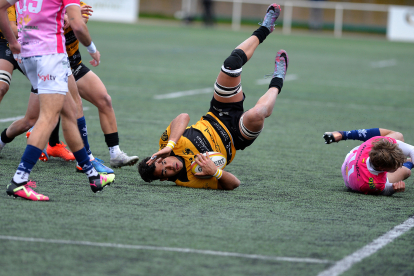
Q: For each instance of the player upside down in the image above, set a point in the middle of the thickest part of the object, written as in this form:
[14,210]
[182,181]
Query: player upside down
[226,128]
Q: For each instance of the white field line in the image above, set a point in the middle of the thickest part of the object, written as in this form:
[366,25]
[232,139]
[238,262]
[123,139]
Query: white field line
[366,251]
[11,119]
[169,249]
[267,81]
[208,90]
[184,93]
[384,63]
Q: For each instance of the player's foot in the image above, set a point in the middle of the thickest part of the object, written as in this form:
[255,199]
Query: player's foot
[281,64]
[122,159]
[61,151]
[44,157]
[29,132]
[99,182]
[99,167]
[272,13]
[330,137]
[23,190]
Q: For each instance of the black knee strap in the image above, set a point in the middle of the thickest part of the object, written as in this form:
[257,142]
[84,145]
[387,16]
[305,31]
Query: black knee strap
[232,66]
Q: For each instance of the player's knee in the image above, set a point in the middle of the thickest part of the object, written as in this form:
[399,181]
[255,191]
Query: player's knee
[104,103]
[4,87]
[232,66]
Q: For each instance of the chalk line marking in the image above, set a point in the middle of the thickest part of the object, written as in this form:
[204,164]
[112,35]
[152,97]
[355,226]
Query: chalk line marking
[384,63]
[366,251]
[184,93]
[170,249]
[11,119]
[267,81]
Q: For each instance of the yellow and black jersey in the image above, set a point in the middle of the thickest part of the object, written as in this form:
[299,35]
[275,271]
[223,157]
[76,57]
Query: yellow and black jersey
[72,45]
[11,13]
[208,134]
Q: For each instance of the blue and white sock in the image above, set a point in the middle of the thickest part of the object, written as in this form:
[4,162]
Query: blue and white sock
[360,134]
[84,133]
[29,159]
[83,161]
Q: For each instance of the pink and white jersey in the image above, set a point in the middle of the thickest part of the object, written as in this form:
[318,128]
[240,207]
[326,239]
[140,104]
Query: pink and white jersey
[40,25]
[355,171]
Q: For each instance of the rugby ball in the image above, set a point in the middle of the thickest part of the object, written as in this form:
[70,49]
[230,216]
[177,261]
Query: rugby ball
[219,160]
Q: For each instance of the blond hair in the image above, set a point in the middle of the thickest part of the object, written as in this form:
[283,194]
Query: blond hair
[386,155]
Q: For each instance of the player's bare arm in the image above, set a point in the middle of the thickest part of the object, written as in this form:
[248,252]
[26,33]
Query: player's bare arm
[177,126]
[78,26]
[6,27]
[227,181]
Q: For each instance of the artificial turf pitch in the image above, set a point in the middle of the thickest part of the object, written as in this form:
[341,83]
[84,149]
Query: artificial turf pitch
[291,214]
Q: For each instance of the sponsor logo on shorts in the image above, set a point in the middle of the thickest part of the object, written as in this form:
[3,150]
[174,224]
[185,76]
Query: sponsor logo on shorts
[8,52]
[46,77]
[77,70]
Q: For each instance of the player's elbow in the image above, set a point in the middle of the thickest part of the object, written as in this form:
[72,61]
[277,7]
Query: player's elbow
[229,186]
[78,27]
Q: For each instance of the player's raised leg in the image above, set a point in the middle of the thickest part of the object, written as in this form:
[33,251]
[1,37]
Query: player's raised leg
[228,84]
[252,121]
[93,90]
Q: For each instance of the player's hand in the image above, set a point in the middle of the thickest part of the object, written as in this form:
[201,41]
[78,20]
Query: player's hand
[16,49]
[208,166]
[96,58]
[165,152]
[398,186]
[65,22]
[86,11]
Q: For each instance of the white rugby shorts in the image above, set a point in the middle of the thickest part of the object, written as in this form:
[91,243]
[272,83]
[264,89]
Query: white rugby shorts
[48,74]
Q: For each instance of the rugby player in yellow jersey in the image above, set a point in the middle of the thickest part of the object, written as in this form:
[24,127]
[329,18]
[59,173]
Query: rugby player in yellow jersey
[225,128]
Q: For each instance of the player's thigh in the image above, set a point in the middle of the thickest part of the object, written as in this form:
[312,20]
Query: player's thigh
[229,82]
[6,71]
[400,174]
[92,89]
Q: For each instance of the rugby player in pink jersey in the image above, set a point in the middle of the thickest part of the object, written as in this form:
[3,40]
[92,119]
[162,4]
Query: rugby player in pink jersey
[42,56]
[379,165]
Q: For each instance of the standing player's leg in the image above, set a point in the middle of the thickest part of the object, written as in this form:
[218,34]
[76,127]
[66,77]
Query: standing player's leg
[228,84]
[81,123]
[93,90]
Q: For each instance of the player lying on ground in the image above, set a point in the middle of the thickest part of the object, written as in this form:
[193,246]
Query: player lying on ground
[42,57]
[224,129]
[377,166]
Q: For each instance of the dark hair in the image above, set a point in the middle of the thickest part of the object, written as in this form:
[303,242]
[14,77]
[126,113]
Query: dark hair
[147,172]
[386,155]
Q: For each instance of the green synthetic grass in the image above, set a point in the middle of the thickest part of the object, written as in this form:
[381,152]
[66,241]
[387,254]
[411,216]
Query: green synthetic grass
[292,201]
